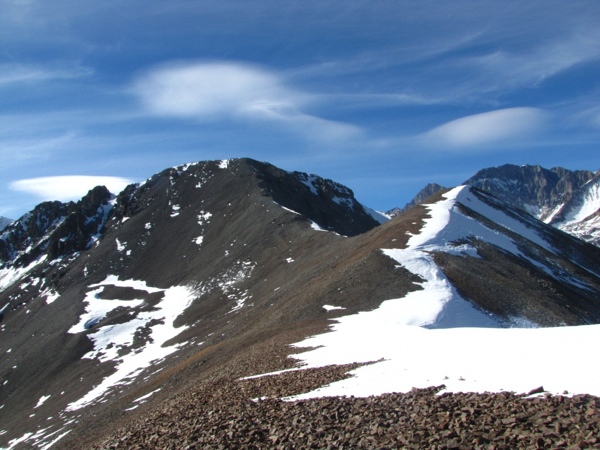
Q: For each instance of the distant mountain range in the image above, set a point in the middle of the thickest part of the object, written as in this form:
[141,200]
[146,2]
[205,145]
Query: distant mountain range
[568,200]
[209,272]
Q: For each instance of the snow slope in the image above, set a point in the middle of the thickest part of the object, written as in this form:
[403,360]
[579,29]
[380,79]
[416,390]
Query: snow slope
[581,215]
[433,336]
[111,340]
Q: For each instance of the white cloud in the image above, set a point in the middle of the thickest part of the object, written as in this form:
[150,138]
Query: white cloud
[510,69]
[487,128]
[226,90]
[65,188]
[19,73]
[211,90]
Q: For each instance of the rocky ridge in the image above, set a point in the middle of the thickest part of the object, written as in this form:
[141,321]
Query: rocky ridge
[534,189]
[55,229]
[226,258]
[429,190]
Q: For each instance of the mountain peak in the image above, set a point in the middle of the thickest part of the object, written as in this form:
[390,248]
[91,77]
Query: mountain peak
[55,228]
[429,190]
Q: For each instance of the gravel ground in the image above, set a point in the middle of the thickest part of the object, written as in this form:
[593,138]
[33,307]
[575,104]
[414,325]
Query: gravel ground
[229,413]
[218,410]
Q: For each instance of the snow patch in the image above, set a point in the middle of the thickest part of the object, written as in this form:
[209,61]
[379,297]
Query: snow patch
[114,342]
[41,401]
[10,275]
[120,247]
[97,309]
[51,296]
[348,202]
[589,205]
[463,359]
[376,215]
[288,209]
[332,308]
[204,217]
[142,399]
[309,181]
[315,226]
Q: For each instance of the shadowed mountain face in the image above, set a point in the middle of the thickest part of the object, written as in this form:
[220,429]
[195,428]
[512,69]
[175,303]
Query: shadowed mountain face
[107,299]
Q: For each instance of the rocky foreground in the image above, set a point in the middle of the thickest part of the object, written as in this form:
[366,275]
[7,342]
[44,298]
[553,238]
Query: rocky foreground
[230,414]
[222,410]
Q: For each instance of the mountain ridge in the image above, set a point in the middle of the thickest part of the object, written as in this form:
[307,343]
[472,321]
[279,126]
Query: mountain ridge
[188,277]
[566,199]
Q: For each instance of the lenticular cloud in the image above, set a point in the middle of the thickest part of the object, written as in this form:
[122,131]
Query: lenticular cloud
[228,90]
[487,128]
[65,188]
[213,90]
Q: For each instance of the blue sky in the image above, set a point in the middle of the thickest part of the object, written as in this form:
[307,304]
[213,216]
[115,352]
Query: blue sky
[382,96]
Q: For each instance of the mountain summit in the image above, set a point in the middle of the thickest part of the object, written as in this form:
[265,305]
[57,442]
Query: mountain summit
[207,273]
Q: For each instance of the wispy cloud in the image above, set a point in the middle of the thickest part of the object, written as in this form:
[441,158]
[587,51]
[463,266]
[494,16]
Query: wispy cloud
[65,188]
[488,128]
[11,73]
[210,91]
[37,148]
[588,117]
[509,69]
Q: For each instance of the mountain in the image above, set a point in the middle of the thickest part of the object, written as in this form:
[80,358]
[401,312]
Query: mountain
[422,195]
[4,222]
[55,229]
[568,200]
[147,310]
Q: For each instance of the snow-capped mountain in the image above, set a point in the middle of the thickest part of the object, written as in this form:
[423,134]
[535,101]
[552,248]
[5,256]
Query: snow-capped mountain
[190,278]
[566,199]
